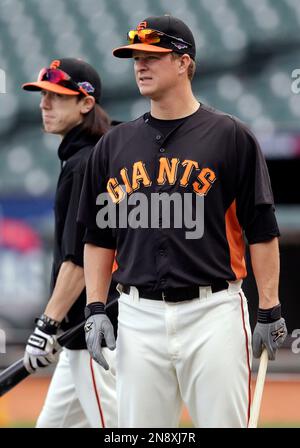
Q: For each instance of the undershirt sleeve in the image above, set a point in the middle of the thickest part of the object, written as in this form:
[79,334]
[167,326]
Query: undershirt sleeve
[94,184]
[72,245]
[264,225]
[255,202]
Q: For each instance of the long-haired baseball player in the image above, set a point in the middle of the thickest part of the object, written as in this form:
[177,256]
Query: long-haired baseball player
[81,393]
[187,181]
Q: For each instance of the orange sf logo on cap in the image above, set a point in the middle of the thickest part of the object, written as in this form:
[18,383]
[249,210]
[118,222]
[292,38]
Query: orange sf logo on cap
[55,64]
[141,26]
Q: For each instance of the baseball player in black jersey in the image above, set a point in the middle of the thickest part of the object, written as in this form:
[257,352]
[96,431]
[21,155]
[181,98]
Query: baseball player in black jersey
[81,393]
[182,186]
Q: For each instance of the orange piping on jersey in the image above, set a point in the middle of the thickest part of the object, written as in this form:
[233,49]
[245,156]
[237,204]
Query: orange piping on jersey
[115,265]
[236,242]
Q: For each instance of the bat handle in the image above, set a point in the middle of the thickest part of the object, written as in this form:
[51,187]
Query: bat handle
[67,336]
[259,387]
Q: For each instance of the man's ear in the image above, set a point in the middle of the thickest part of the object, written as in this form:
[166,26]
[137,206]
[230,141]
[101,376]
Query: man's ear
[184,63]
[87,104]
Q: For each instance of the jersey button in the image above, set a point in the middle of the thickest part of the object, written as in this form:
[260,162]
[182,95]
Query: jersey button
[158,137]
[161,149]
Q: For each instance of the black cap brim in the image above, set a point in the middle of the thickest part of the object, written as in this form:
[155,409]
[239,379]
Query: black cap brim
[126,51]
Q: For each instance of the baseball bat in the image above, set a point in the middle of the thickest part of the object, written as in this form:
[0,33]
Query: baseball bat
[17,372]
[259,387]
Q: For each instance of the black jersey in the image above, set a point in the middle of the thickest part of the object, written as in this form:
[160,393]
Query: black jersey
[210,157]
[73,152]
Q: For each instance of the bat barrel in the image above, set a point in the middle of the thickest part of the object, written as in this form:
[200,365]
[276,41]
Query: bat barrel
[17,372]
[12,376]
[259,388]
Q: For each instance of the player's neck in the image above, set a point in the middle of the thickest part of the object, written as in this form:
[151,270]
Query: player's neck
[174,105]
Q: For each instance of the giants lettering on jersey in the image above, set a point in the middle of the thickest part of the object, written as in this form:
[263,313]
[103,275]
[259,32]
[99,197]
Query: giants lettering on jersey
[167,173]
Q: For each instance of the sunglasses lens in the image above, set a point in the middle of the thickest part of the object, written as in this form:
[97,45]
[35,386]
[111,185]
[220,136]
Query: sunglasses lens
[59,77]
[42,74]
[144,36]
[152,37]
[131,35]
[53,75]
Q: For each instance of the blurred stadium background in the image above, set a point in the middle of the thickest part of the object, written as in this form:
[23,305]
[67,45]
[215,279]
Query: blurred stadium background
[247,51]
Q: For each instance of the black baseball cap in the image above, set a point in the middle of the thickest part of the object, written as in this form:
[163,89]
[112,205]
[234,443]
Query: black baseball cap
[176,37]
[83,79]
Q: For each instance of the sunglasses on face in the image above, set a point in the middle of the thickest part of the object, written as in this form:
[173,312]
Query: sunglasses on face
[149,36]
[56,76]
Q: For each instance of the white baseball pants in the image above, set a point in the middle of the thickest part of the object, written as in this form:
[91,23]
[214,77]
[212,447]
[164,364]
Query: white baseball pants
[81,393]
[196,352]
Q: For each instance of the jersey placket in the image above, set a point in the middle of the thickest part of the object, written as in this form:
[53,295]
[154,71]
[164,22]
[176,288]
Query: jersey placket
[162,256]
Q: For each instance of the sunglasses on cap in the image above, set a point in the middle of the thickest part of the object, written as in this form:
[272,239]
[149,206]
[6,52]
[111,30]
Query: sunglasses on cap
[149,36]
[59,77]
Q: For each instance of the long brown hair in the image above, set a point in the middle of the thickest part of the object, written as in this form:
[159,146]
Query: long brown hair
[96,122]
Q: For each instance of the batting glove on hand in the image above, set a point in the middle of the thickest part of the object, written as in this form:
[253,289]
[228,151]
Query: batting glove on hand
[42,348]
[97,327]
[270,332]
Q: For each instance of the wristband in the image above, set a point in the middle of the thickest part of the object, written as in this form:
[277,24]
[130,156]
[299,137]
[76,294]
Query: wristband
[47,325]
[270,315]
[94,308]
